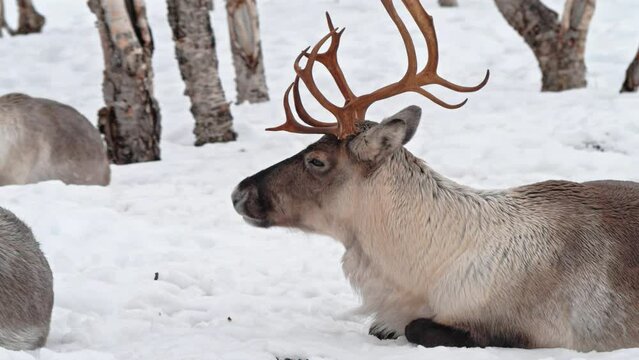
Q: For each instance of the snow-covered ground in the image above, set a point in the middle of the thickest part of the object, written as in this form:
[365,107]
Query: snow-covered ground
[230,291]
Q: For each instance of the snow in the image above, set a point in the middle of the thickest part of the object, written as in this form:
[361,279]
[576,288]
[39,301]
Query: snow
[230,291]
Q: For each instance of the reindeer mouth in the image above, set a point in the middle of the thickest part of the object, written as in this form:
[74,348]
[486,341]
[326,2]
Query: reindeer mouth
[261,223]
[246,203]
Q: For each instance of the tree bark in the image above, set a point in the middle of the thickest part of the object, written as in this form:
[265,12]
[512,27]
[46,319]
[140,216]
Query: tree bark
[29,20]
[196,55]
[3,22]
[130,121]
[631,83]
[448,3]
[246,47]
[558,45]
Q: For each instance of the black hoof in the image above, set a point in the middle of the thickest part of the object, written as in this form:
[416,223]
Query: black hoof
[381,333]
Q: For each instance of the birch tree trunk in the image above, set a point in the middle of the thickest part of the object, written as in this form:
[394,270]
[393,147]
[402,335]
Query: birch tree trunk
[3,22]
[130,121]
[448,3]
[558,45]
[631,83]
[195,52]
[29,20]
[246,47]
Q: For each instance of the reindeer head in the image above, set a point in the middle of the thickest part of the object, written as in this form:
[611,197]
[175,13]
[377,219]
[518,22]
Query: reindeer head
[315,190]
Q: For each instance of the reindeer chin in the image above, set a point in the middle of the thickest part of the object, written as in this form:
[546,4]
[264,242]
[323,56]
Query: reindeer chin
[261,223]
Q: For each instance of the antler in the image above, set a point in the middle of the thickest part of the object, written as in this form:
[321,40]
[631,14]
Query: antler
[354,109]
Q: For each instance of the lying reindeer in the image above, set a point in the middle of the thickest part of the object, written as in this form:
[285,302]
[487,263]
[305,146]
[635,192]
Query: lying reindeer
[553,264]
[26,283]
[43,140]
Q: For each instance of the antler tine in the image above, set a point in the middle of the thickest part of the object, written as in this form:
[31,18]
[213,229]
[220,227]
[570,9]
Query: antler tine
[301,111]
[353,112]
[299,107]
[439,101]
[414,81]
[459,88]
[306,74]
[329,60]
[291,125]
[427,27]
[406,38]
[329,21]
[407,83]
[425,24]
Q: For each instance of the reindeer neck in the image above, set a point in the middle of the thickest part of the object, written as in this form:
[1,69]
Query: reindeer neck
[423,221]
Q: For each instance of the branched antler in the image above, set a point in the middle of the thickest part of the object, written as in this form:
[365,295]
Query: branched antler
[354,109]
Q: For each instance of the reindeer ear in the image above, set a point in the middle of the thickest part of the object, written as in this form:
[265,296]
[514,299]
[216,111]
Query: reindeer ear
[379,141]
[411,116]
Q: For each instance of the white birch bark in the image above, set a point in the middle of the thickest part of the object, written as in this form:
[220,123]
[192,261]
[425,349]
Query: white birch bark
[130,121]
[3,21]
[29,20]
[558,44]
[246,47]
[195,51]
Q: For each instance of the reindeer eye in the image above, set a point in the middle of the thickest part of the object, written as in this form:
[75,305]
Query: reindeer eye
[316,163]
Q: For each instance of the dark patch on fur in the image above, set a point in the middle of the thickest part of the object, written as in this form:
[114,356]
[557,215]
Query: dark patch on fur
[504,338]
[428,333]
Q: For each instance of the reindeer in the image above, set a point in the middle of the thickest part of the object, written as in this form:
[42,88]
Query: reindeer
[42,140]
[552,264]
[26,287]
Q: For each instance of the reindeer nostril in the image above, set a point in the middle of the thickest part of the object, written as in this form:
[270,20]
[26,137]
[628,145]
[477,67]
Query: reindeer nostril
[238,197]
[246,202]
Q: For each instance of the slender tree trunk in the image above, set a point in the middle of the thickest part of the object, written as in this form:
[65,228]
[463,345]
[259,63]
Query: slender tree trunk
[448,3]
[244,30]
[130,121]
[558,45]
[631,83]
[3,24]
[29,20]
[3,21]
[195,52]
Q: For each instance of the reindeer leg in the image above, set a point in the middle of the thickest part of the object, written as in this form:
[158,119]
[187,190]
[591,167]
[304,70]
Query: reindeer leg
[428,333]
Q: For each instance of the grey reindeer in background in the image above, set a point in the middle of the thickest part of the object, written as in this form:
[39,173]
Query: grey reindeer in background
[26,287]
[40,140]
[43,140]
[552,264]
